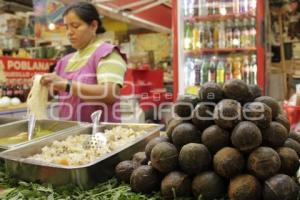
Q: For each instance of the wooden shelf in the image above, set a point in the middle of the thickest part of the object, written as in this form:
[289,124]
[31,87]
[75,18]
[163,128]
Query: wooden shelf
[219,50]
[219,17]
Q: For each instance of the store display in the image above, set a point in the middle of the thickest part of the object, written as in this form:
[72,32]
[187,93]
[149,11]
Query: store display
[220,41]
[248,151]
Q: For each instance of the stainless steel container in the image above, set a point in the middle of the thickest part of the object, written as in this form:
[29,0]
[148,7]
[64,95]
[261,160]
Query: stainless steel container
[7,120]
[17,127]
[85,175]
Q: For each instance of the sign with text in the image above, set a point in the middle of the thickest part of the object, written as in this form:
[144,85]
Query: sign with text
[23,68]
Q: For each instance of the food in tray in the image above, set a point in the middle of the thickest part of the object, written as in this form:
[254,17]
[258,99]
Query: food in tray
[71,151]
[23,137]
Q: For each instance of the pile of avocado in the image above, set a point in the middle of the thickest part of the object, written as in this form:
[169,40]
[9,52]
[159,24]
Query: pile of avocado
[227,141]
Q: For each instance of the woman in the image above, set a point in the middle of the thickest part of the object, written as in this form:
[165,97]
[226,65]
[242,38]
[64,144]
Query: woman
[91,78]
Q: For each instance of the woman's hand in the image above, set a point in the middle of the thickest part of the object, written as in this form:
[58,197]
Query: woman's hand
[54,82]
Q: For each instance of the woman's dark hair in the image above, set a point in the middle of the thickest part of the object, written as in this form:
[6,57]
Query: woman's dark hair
[86,12]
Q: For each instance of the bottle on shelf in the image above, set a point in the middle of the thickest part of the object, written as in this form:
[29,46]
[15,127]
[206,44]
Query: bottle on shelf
[202,8]
[236,42]
[236,7]
[189,74]
[197,71]
[215,35]
[253,70]
[201,35]
[245,34]
[204,70]
[229,6]
[208,36]
[196,37]
[236,68]
[228,68]
[188,36]
[229,34]
[212,69]
[222,35]
[221,71]
[1,88]
[215,7]
[246,69]
[252,32]
[252,7]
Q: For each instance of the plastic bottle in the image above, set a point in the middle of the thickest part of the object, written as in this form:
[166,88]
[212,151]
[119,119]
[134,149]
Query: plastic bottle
[237,65]
[246,69]
[252,32]
[188,36]
[201,35]
[236,6]
[196,37]
[236,42]
[253,70]
[209,36]
[216,35]
[222,35]
[212,69]
[189,74]
[221,71]
[204,70]
[197,71]
[228,68]
[202,8]
[229,34]
[252,7]
[245,36]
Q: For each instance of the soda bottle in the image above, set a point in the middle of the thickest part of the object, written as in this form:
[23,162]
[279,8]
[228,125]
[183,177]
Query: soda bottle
[215,7]
[236,6]
[212,69]
[236,34]
[252,7]
[197,71]
[228,68]
[222,35]
[215,35]
[229,6]
[243,6]
[209,36]
[196,37]
[188,36]
[237,65]
[252,33]
[209,5]
[229,34]
[222,7]
[221,71]
[191,8]
[246,69]
[202,8]
[253,70]
[195,7]
[204,70]
[189,76]
[245,36]
[186,8]
[202,41]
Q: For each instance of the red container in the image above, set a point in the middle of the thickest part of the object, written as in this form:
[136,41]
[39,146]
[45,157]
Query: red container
[293,113]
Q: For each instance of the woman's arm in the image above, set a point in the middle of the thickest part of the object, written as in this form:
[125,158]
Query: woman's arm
[106,92]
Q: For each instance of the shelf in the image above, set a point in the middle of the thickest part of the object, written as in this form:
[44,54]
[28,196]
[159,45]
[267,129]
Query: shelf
[216,51]
[219,17]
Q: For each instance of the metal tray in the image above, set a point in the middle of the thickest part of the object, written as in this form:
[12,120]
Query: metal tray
[83,176]
[17,127]
[7,120]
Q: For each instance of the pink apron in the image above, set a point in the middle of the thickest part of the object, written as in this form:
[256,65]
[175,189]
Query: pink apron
[72,107]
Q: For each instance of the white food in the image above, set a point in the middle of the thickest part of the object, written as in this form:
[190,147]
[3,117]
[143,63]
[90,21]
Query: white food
[37,99]
[71,151]
[15,101]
